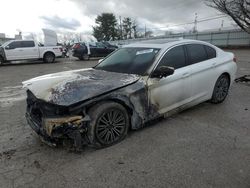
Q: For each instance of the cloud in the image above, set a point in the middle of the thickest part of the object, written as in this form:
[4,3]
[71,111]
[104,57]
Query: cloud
[58,23]
[157,11]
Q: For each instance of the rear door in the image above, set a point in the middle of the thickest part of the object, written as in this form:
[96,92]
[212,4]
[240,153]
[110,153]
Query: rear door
[202,61]
[29,50]
[173,91]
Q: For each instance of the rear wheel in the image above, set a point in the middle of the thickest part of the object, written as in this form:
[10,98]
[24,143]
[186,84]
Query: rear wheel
[84,57]
[109,124]
[49,58]
[221,89]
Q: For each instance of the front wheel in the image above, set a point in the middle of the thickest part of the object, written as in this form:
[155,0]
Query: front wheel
[221,89]
[109,124]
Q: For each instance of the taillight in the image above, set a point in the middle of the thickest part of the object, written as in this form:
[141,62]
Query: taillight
[234,59]
[76,46]
[61,49]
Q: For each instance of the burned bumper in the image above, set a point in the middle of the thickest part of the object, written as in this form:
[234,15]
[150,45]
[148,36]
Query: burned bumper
[54,130]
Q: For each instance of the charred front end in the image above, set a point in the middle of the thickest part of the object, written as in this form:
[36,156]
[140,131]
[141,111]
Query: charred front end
[54,123]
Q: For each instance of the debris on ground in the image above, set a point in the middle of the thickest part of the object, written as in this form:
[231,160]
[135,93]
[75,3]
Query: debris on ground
[245,78]
[8,154]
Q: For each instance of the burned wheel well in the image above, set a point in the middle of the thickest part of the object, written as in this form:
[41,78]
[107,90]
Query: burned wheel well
[128,108]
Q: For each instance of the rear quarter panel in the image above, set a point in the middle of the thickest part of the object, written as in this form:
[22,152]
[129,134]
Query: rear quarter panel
[54,49]
[226,64]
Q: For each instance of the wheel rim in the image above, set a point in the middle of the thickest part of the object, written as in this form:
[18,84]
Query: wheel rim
[49,58]
[222,89]
[110,127]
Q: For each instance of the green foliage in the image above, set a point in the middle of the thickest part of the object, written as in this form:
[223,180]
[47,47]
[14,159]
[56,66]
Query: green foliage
[106,27]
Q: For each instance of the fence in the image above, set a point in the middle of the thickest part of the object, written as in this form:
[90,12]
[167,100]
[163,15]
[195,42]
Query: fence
[230,38]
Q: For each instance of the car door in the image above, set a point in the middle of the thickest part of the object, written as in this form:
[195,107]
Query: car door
[173,91]
[202,60]
[93,49]
[29,50]
[12,51]
[101,50]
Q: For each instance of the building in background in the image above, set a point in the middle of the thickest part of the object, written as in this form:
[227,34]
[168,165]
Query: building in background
[3,38]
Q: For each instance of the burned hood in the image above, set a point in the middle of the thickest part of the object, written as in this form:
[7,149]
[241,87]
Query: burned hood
[70,87]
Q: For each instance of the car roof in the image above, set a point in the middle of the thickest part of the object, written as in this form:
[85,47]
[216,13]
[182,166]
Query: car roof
[162,43]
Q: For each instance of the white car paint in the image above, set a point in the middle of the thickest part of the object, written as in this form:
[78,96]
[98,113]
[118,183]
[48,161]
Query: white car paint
[188,85]
[26,53]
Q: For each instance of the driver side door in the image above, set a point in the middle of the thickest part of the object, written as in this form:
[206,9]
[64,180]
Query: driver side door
[172,91]
[13,51]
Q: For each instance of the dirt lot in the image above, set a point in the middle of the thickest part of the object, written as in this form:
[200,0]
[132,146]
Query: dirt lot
[206,146]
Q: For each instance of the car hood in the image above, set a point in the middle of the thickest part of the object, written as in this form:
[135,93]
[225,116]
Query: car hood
[70,87]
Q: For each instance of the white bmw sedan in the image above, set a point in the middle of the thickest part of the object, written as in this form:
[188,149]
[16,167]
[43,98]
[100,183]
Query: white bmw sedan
[133,85]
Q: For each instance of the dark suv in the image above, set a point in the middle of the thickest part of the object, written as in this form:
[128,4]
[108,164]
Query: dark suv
[97,49]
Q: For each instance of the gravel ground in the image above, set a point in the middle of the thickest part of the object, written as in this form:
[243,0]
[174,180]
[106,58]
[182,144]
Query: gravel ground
[205,146]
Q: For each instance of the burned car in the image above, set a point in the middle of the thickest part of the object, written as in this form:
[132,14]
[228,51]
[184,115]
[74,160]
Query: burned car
[135,84]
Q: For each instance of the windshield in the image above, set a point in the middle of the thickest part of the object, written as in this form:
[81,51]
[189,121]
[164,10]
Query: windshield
[5,43]
[129,60]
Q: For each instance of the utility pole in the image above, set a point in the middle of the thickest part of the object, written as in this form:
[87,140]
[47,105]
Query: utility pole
[195,23]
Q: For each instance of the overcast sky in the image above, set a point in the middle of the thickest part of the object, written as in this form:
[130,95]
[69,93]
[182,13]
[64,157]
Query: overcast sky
[79,15]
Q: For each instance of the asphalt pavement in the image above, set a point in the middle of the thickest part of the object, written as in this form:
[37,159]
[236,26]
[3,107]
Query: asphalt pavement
[205,146]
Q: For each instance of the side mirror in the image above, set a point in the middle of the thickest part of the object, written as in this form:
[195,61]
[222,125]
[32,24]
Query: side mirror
[162,72]
[7,47]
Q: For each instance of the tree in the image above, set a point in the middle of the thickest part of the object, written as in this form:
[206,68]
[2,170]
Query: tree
[106,28]
[127,28]
[134,28]
[238,10]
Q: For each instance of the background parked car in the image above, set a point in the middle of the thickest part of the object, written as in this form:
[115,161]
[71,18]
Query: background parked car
[97,49]
[15,50]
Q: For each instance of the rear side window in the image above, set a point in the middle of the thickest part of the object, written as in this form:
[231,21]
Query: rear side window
[196,52]
[174,58]
[16,44]
[27,44]
[211,53]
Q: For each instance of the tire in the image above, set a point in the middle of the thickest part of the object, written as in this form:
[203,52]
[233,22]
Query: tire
[221,89]
[109,124]
[84,57]
[49,57]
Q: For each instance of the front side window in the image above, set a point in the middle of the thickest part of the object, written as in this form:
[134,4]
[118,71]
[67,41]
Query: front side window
[15,44]
[196,53]
[129,60]
[174,58]
[100,45]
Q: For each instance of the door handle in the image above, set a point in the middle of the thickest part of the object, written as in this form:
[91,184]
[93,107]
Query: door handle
[20,50]
[184,75]
[213,64]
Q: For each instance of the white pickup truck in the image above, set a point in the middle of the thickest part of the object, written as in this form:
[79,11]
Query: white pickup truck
[15,50]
